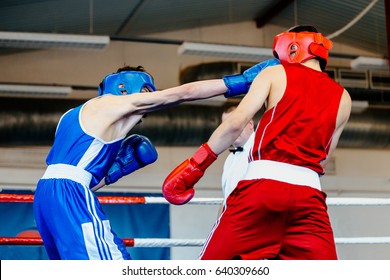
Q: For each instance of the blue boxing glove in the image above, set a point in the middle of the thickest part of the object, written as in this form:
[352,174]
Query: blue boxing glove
[135,152]
[238,84]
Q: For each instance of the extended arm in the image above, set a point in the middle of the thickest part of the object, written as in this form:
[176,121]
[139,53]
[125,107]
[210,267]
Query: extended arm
[115,115]
[230,86]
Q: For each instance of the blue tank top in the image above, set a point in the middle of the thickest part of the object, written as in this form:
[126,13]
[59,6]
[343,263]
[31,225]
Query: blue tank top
[74,146]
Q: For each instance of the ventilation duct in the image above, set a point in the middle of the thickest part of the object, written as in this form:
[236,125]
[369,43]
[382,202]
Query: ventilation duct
[370,129]
[33,122]
[208,71]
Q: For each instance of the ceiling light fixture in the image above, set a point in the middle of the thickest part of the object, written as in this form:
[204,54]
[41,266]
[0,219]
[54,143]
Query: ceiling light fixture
[242,53]
[35,90]
[370,63]
[47,40]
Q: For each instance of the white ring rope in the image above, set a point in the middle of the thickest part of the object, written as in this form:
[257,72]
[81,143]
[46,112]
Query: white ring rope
[363,240]
[162,200]
[335,201]
[356,201]
[331,201]
[166,242]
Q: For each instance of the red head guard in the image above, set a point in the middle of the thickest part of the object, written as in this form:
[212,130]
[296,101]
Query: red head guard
[301,46]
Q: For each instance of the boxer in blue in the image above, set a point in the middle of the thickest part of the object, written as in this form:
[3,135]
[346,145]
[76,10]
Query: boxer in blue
[91,150]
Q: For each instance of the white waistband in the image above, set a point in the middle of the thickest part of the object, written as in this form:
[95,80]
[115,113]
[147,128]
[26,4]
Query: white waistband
[65,171]
[284,172]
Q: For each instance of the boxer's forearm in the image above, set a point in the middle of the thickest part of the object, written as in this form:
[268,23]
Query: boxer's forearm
[147,102]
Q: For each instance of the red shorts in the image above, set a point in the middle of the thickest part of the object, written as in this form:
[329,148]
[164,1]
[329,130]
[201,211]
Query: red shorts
[268,219]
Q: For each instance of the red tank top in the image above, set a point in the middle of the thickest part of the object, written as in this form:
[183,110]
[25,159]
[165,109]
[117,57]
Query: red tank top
[299,128]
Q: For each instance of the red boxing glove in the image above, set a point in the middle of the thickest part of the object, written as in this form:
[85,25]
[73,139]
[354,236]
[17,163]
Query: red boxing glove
[178,187]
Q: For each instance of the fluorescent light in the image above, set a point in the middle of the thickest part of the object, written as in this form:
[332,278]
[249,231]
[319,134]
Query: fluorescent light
[35,90]
[48,40]
[370,63]
[226,51]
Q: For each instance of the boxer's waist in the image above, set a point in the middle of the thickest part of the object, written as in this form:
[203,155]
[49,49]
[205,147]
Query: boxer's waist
[70,172]
[283,172]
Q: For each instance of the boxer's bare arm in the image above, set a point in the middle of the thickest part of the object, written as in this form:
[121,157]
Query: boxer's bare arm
[111,116]
[152,101]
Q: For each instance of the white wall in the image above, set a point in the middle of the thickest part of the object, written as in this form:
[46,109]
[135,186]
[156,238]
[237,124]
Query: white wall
[360,173]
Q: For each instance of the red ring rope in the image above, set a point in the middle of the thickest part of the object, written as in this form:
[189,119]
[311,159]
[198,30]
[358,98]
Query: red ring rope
[165,242]
[102,199]
[331,201]
[129,242]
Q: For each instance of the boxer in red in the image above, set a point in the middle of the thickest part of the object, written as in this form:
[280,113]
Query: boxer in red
[278,211]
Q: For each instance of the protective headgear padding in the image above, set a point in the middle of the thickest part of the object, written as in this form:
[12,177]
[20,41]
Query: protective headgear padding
[129,81]
[301,46]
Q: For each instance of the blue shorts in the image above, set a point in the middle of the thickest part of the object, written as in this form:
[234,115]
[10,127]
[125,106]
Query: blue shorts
[72,223]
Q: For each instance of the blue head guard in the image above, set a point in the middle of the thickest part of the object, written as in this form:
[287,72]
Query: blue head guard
[129,81]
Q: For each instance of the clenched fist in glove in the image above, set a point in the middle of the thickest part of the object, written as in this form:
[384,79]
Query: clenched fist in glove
[178,187]
[135,152]
[238,84]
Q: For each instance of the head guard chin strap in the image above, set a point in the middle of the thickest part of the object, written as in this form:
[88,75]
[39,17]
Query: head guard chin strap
[301,46]
[126,82]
